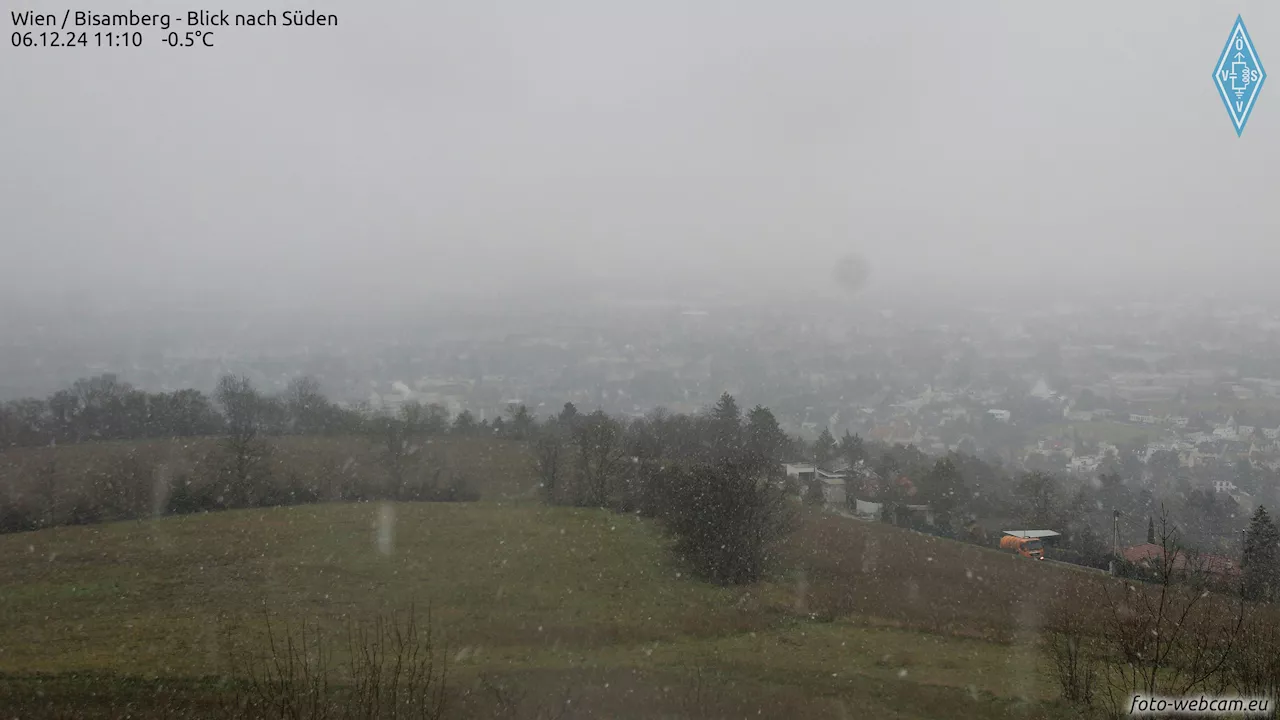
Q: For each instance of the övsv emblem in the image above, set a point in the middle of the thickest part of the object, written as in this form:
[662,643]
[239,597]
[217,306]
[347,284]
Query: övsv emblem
[1239,75]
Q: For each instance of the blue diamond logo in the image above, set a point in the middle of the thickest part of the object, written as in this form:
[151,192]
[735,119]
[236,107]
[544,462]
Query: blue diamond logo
[1239,75]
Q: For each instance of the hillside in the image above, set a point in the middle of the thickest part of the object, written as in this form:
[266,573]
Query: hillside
[554,600]
[908,579]
[499,468]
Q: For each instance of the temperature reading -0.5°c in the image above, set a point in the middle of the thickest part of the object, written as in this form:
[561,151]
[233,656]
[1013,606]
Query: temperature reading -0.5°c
[189,39]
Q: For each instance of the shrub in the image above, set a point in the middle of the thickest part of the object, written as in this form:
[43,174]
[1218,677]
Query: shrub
[292,491]
[187,497]
[121,490]
[727,520]
[83,510]
[1075,664]
[395,667]
[1254,667]
[18,517]
[460,490]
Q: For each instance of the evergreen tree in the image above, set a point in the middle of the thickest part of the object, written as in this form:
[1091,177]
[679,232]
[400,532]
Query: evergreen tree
[1245,477]
[943,487]
[852,449]
[825,449]
[1151,530]
[764,438]
[465,423]
[522,423]
[726,429]
[568,415]
[1261,561]
[728,524]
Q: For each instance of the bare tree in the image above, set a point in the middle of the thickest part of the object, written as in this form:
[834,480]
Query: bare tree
[31,422]
[414,416]
[598,438]
[306,405]
[550,460]
[100,408]
[396,667]
[246,452]
[1170,636]
[393,436]
[411,473]
[399,668]
[47,484]
[1068,644]
[1254,667]
[123,487]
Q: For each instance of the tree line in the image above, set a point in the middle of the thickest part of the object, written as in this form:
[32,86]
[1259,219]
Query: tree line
[241,468]
[106,408]
[961,489]
[714,479]
[583,459]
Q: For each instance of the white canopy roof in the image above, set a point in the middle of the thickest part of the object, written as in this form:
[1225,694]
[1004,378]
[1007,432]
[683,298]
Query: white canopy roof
[1032,533]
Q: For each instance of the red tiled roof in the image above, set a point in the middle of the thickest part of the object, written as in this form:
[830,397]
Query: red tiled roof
[1142,553]
[1146,552]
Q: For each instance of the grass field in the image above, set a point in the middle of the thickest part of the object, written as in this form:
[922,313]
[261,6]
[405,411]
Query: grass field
[862,620]
[499,467]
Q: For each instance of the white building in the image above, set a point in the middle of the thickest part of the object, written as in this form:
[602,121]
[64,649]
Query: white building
[1084,464]
[1224,432]
[800,471]
[833,484]
[833,488]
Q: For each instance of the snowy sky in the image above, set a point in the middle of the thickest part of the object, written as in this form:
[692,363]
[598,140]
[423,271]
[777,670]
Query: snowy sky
[478,145]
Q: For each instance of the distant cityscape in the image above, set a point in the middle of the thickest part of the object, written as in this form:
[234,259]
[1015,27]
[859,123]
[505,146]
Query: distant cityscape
[1191,388]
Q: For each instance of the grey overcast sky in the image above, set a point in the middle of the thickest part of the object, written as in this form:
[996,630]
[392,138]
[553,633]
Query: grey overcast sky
[474,145]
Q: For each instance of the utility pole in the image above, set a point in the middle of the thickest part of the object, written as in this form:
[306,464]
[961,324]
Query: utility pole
[1115,542]
[1115,532]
